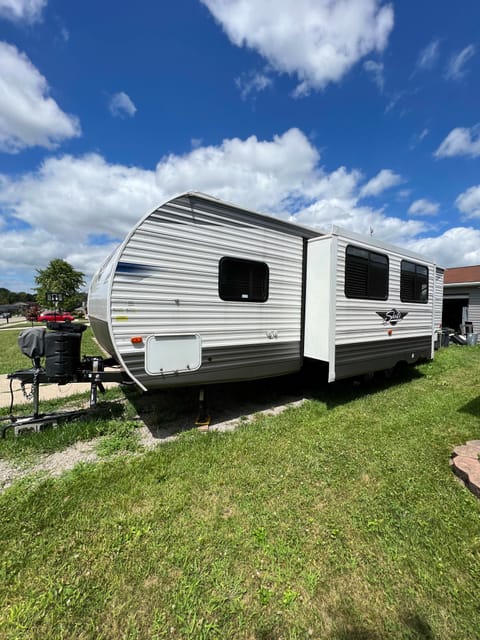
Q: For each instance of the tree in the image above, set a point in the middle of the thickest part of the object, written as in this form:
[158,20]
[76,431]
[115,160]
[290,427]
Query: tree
[32,313]
[10,297]
[60,277]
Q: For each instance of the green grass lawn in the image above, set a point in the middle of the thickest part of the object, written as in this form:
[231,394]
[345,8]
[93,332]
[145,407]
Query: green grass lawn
[340,519]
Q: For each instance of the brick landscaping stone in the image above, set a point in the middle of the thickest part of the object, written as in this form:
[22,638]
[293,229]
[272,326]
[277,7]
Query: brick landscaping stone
[467,467]
[467,450]
[474,443]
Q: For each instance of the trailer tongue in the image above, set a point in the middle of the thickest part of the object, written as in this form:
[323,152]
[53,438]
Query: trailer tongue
[55,355]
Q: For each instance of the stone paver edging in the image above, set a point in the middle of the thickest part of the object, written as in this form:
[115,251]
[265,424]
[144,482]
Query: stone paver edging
[466,465]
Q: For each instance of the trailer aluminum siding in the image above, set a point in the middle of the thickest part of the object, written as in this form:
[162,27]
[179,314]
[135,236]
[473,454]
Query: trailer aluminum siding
[162,285]
[350,333]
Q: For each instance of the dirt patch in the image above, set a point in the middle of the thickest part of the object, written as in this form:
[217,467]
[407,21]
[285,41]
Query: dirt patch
[152,433]
[52,465]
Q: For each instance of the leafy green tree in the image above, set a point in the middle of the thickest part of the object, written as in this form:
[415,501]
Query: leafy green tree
[10,297]
[4,296]
[22,296]
[60,277]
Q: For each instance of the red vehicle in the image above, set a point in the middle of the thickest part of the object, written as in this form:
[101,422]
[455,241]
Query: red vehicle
[55,316]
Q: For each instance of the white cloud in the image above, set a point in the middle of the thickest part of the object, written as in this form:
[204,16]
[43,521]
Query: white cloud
[28,115]
[77,208]
[468,202]
[107,199]
[253,81]
[99,197]
[385,179]
[445,247]
[394,100]
[424,207]
[29,11]
[121,105]
[460,142]
[257,173]
[346,214]
[316,40]
[417,138]
[456,65]
[341,183]
[64,203]
[428,56]
[376,71]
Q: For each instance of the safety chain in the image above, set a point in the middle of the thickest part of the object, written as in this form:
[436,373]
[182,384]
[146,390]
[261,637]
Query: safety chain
[29,396]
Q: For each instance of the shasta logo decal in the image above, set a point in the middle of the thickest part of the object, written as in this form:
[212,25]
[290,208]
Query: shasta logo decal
[392,317]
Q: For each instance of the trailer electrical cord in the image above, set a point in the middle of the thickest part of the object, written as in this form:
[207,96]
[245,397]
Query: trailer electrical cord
[11,401]
[10,417]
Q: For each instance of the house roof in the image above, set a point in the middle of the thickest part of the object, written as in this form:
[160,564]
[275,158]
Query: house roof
[13,306]
[458,275]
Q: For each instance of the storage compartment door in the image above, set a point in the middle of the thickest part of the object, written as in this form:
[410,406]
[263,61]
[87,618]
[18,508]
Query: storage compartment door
[172,354]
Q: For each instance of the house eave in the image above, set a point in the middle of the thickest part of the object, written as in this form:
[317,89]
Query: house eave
[452,285]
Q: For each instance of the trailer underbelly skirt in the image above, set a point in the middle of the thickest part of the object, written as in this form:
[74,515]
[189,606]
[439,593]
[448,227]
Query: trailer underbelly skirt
[359,358]
[224,364]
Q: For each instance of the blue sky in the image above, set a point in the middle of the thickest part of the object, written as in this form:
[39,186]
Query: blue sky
[360,113]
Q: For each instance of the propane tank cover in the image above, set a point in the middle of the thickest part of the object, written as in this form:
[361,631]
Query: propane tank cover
[32,342]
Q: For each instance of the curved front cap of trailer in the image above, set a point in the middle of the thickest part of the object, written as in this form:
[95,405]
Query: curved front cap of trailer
[119,296]
[98,304]
[155,305]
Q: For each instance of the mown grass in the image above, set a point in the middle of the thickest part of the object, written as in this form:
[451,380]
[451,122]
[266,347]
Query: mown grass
[11,358]
[108,419]
[339,519]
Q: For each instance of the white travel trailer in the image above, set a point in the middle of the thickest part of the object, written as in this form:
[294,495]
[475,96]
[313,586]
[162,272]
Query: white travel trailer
[202,291]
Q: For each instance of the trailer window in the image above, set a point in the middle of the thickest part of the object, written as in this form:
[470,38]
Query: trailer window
[242,280]
[413,282]
[366,274]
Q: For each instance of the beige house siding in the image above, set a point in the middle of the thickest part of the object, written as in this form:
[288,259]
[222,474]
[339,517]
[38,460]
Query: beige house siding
[474,309]
[473,294]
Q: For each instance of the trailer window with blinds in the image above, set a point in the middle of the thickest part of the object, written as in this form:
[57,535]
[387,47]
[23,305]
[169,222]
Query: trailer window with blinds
[413,282]
[243,280]
[366,274]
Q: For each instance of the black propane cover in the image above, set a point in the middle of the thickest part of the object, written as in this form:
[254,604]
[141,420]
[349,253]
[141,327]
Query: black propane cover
[62,355]
[32,342]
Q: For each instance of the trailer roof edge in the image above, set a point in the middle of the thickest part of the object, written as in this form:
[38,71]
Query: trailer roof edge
[297,229]
[386,246]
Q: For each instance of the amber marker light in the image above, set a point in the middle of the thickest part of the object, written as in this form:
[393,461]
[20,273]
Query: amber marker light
[390,332]
[136,340]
